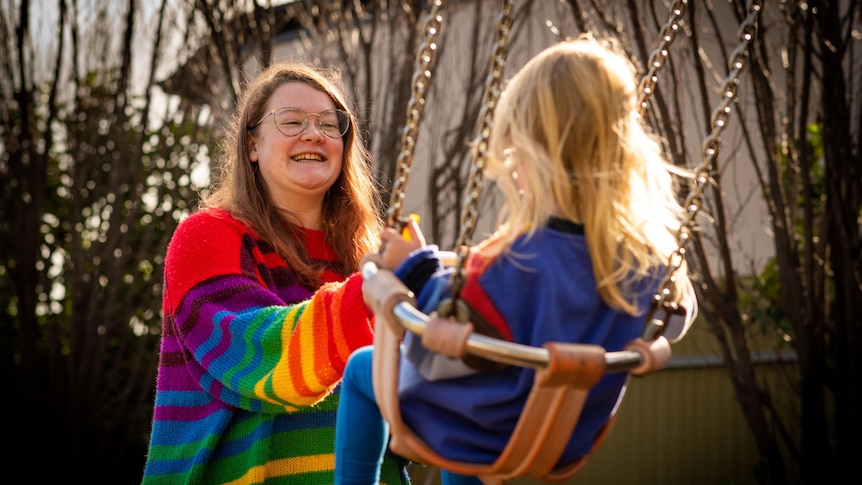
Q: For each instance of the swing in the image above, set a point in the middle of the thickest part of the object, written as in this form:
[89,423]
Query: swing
[565,372]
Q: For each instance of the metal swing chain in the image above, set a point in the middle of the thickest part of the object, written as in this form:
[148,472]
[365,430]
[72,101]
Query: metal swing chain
[473,193]
[659,54]
[415,108]
[703,173]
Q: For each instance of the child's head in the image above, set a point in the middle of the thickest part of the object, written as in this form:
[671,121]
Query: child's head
[562,121]
[568,141]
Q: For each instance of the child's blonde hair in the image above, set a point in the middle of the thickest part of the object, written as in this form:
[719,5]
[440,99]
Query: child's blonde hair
[568,141]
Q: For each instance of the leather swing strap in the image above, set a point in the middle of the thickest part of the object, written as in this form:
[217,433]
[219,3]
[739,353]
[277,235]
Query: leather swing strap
[551,412]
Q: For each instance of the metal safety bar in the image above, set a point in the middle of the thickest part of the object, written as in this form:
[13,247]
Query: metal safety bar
[500,351]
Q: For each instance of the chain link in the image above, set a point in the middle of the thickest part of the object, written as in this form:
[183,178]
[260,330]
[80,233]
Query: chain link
[415,108]
[703,173]
[659,54]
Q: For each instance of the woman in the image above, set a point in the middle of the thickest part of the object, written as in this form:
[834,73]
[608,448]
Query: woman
[262,302]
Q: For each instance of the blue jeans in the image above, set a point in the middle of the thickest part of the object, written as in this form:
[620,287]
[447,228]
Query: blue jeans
[361,433]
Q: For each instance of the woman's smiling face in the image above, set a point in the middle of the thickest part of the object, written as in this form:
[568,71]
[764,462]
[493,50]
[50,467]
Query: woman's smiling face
[305,165]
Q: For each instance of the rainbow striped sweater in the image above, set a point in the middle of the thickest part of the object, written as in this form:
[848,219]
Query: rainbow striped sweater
[250,361]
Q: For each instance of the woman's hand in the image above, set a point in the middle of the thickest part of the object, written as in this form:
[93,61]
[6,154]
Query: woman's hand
[396,247]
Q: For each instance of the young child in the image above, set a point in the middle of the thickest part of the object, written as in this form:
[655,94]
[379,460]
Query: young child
[582,245]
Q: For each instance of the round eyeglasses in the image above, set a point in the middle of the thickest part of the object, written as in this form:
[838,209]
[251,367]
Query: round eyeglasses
[293,121]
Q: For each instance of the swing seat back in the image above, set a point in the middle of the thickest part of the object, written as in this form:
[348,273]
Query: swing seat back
[550,414]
